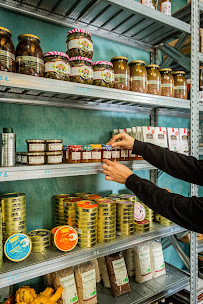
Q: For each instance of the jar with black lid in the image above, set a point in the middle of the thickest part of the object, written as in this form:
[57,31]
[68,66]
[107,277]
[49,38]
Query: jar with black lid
[103,74]
[121,73]
[81,70]
[57,66]
[29,56]
[7,51]
[79,43]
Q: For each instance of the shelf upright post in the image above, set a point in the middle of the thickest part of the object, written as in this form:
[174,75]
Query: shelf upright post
[154,123]
[194,128]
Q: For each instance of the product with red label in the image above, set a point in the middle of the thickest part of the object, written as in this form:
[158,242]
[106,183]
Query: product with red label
[57,66]
[103,74]
[74,154]
[184,135]
[149,3]
[165,7]
[148,134]
[173,139]
[81,70]
[65,238]
[79,43]
[143,270]
[160,137]
[157,259]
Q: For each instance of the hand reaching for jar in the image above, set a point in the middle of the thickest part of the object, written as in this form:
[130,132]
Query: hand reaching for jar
[126,141]
[115,171]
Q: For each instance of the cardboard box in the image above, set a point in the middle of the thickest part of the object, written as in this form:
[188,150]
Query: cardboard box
[173,139]
[160,137]
[184,137]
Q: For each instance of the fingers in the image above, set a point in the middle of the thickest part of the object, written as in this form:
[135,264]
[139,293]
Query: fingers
[108,162]
[108,178]
[116,137]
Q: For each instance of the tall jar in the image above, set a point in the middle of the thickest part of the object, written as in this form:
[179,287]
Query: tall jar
[81,70]
[7,51]
[79,43]
[154,79]
[165,7]
[57,66]
[121,73]
[167,83]
[180,82]
[138,76]
[29,56]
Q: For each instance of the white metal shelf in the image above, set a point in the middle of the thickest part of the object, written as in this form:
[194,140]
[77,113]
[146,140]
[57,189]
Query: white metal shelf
[201,55]
[201,151]
[50,171]
[148,292]
[38,264]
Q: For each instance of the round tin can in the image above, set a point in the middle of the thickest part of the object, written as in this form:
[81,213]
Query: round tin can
[40,235]
[65,238]
[17,247]
[128,197]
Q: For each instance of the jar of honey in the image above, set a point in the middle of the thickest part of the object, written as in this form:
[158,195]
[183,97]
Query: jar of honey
[86,154]
[138,76]
[74,154]
[180,82]
[167,83]
[121,73]
[154,79]
[96,153]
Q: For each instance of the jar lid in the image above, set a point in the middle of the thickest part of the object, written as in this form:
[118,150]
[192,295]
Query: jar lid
[137,61]
[153,66]
[107,147]
[74,147]
[54,53]
[54,140]
[87,147]
[5,29]
[54,153]
[79,31]
[165,70]
[80,58]
[97,146]
[7,130]
[36,153]
[179,72]
[102,62]
[24,153]
[119,57]
[29,35]
[35,140]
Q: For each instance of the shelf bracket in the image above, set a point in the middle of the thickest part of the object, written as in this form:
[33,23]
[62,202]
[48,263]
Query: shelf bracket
[179,251]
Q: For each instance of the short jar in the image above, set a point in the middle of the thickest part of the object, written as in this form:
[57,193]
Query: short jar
[35,145]
[116,153]
[53,145]
[165,7]
[124,155]
[65,154]
[79,43]
[54,158]
[36,158]
[138,76]
[103,74]
[75,154]
[81,70]
[29,56]
[7,51]
[180,89]
[106,152]
[24,158]
[86,154]
[18,157]
[121,73]
[57,66]
[153,79]
[96,153]
[149,3]
[167,83]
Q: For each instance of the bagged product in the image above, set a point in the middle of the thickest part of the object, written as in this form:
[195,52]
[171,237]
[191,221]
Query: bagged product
[134,132]
[173,139]
[184,136]
[139,134]
[160,137]
[129,256]
[97,270]
[66,279]
[143,271]
[157,259]
[148,134]
[85,277]
[104,272]
[48,280]
[118,275]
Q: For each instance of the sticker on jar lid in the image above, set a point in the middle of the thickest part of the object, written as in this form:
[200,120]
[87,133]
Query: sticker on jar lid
[87,204]
[139,212]
[17,247]
[65,238]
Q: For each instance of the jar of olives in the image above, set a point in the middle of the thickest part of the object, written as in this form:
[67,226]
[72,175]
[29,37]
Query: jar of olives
[154,79]
[167,83]
[121,72]
[7,51]
[81,70]
[103,74]
[138,76]
[57,66]
[29,56]
[79,43]
[180,88]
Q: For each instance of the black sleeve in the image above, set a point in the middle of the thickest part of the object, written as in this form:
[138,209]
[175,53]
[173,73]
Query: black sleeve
[184,167]
[184,211]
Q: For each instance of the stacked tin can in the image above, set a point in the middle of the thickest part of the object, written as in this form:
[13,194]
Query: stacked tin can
[1,239]
[149,213]
[124,217]
[70,210]
[8,148]
[106,220]
[59,209]
[162,220]
[13,214]
[86,223]
[41,239]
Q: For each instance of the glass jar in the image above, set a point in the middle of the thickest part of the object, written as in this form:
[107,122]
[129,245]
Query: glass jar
[138,76]
[81,70]
[116,153]
[29,56]
[79,43]
[180,83]
[121,73]
[154,79]
[106,152]
[35,145]
[7,51]
[165,7]
[36,158]
[53,145]
[124,155]
[86,154]
[54,158]
[131,155]
[65,154]
[103,74]
[96,153]
[167,83]
[24,158]
[75,154]
[57,66]
[201,79]
[149,3]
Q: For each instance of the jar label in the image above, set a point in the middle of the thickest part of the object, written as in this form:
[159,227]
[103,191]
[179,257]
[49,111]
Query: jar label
[52,159]
[59,67]
[31,62]
[106,75]
[96,155]
[83,71]
[141,78]
[76,155]
[81,43]
[157,82]
[24,159]
[167,85]
[122,78]
[33,160]
[19,158]
[178,88]
[115,154]
[124,153]
[107,154]
[131,154]
[6,59]
[86,155]
[54,147]
[36,147]
[166,8]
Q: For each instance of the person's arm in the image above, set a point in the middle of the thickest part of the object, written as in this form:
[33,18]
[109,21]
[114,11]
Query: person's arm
[184,167]
[184,211]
